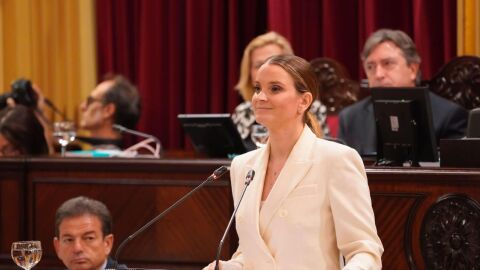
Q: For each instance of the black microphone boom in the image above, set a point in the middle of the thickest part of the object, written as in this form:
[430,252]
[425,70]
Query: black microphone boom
[217,174]
[248,179]
[54,108]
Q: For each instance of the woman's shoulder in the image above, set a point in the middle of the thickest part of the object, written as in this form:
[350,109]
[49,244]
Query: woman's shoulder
[331,148]
[247,157]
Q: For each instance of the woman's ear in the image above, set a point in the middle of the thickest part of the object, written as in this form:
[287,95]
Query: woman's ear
[305,102]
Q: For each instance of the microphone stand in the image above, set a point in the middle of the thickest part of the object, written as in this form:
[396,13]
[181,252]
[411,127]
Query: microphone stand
[158,145]
[52,106]
[248,179]
[216,175]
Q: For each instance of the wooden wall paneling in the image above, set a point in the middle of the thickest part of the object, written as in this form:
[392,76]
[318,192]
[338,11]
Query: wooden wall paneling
[12,226]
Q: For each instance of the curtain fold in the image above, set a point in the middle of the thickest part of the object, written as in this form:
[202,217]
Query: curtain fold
[53,44]
[468,25]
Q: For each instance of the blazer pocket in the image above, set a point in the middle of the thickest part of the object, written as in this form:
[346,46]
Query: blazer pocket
[304,190]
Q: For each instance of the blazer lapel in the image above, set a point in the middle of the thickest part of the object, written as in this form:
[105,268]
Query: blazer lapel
[251,202]
[296,167]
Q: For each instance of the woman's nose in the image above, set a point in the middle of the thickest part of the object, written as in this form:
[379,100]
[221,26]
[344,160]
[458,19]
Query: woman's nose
[260,95]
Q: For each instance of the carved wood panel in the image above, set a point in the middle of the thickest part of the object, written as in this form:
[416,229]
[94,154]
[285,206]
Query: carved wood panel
[450,234]
[394,217]
[336,89]
[459,81]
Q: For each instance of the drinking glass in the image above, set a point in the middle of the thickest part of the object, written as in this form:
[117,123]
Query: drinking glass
[65,133]
[259,135]
[26,254]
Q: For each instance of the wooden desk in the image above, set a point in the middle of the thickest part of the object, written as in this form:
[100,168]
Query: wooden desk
[137,190]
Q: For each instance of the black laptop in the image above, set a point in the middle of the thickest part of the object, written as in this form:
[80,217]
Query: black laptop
[213,134]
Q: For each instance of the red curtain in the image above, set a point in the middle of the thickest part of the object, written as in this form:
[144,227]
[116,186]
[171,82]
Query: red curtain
[338,29]
[184,55]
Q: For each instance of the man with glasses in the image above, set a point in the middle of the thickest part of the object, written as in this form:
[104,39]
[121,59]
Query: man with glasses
[113,101]
[390,59]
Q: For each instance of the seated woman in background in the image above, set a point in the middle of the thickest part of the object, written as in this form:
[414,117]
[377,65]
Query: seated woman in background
[254,55]
[21,133]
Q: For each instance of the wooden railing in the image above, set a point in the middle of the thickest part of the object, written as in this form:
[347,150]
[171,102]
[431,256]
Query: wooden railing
[136,190]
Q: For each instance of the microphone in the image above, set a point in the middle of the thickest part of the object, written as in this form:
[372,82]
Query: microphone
[148,139]
[54,108]
[217,174]
[248,179]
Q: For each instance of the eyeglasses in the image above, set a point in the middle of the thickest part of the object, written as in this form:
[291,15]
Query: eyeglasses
[91,100]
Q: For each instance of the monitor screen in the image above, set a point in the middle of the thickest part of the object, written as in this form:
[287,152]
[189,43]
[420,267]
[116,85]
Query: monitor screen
[404,124]
[213,134]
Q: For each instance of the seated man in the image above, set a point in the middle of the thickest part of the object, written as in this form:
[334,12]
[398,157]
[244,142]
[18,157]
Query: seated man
[83,235]
[390,59]
[113,101]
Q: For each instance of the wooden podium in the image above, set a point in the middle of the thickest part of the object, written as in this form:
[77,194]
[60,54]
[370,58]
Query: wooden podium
[136,190]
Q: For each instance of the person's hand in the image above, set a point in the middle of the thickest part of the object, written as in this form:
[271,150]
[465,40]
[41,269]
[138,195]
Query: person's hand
[46,123]
[41,97]
[11,102]
[224,265]
[211,266]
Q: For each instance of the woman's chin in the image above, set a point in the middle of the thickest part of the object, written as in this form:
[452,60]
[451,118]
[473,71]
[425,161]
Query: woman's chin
[262,120]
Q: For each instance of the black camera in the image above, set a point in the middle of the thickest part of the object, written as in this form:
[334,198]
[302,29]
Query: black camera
[22,93]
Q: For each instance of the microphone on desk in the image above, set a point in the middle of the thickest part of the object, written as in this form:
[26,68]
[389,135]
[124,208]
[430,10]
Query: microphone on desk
[217,174]
[248,179]
[148,139]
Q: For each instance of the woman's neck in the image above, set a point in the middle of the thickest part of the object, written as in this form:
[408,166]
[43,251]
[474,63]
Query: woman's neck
[282,141]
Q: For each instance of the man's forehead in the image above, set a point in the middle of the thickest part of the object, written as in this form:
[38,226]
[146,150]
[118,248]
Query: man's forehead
[385,50]
[102,88]
[80,224]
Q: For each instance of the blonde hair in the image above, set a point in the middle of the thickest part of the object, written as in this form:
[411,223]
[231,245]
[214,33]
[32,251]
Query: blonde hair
[305,81]
[245,84]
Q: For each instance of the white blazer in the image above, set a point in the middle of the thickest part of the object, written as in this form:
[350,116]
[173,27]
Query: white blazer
[319,206]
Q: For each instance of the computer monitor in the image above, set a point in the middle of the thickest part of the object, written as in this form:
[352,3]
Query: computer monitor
[473,127]
[213,134]
[404,124]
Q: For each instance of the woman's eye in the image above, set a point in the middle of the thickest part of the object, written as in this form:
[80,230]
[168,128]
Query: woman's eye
[256,89]
[275,88]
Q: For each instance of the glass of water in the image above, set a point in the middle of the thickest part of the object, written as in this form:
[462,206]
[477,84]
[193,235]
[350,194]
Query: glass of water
[26,254]
[65,133]
[259,135]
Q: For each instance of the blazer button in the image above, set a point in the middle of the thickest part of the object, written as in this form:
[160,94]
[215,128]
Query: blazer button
[282,213]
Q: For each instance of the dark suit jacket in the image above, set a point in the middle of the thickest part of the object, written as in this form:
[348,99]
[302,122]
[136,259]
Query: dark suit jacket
[357,123]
